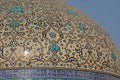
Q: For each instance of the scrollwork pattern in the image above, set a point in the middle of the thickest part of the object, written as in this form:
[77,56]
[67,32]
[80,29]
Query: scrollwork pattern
[51,33]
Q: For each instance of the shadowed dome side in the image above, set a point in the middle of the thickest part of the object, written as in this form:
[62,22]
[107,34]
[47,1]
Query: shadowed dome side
[96,33]
[36,34]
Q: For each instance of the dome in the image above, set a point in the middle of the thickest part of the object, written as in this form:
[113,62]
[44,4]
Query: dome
[50,39]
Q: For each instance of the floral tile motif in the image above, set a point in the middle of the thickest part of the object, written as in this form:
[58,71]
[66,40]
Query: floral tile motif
[53,34]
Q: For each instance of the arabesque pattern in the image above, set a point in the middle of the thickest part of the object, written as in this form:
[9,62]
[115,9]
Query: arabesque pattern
[53,34]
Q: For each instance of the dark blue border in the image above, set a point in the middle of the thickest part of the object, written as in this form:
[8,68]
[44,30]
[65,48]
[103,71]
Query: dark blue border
[54,73]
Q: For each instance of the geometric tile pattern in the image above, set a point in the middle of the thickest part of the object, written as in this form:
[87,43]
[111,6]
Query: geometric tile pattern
[53,34]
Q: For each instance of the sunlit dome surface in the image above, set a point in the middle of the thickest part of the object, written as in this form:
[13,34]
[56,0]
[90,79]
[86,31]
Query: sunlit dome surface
[50,39]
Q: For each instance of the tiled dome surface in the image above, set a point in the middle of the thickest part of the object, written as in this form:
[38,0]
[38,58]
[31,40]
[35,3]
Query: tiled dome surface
[53,34]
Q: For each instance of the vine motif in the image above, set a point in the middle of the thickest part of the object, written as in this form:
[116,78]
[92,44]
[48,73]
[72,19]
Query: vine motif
[52,36]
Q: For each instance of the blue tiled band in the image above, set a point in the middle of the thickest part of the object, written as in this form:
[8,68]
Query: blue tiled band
[62,74]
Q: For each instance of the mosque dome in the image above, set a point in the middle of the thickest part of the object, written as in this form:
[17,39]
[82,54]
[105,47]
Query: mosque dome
[50,39]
